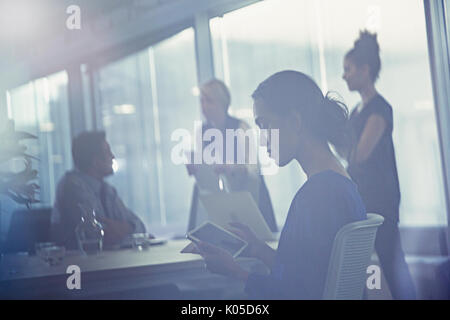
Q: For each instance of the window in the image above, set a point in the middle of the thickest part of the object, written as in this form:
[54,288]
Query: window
[143,98]
[274,40]
[313,36]
[40,107]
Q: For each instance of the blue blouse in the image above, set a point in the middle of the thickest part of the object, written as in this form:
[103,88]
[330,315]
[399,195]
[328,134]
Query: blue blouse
[326,202]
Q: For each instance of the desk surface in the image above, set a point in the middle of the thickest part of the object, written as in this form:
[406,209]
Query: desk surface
[161,258]
[166,256]
[29,277]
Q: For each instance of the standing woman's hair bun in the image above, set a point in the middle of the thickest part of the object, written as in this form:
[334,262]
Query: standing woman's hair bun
[366,50]
[367,41]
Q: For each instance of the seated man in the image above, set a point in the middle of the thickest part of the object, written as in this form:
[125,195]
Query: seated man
[85,186]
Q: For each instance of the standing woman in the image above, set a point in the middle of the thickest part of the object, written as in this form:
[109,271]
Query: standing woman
[371,160]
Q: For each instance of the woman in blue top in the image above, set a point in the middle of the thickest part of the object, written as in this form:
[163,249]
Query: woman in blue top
[307,121]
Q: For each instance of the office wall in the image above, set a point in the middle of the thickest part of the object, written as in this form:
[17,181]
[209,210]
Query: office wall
[145,89]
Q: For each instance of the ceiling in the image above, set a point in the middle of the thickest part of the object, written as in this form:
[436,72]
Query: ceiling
[28,25]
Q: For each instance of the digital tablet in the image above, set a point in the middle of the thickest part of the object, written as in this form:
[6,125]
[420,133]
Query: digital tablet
[219,237]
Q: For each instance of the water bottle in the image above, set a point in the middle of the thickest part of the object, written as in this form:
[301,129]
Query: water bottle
[89,233]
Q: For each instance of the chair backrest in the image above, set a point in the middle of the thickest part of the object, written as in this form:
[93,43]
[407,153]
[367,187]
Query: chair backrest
[26,228]
[350,257]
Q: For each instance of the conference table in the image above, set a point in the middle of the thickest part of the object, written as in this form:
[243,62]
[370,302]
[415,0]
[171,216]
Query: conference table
[119,274]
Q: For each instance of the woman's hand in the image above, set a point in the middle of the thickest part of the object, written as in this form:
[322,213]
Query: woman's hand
[220,261]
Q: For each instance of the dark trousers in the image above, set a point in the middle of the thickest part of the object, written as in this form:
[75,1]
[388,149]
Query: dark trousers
[392,260]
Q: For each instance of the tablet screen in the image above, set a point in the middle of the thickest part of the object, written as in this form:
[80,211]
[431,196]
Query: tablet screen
[218,237]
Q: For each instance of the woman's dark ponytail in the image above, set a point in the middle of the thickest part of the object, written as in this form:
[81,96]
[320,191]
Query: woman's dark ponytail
[333,121]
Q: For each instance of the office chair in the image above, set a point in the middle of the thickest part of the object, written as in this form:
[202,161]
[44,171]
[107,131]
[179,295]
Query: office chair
[352,249]
[26,228]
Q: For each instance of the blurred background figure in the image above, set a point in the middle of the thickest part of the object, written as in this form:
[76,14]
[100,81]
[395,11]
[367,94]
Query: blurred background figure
[85,186]
[215,100]
[371,160]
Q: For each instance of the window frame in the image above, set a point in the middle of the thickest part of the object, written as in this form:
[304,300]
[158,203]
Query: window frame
[438,33]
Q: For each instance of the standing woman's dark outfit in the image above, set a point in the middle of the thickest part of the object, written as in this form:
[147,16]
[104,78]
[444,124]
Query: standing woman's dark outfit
[378,184]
